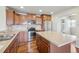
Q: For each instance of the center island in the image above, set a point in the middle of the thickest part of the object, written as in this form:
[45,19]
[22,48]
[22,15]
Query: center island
[54,42]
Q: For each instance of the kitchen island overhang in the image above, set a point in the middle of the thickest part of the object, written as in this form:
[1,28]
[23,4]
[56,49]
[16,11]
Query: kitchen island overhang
[57,39]
[54,42]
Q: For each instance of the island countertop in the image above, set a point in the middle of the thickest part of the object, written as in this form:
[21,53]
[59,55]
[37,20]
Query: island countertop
[57,39]
[4,44]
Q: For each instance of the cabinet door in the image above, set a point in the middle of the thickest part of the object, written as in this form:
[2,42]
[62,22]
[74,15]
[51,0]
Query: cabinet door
[19,40]
[9,17]
[22,39]
[7,50]
[12,48]
[42,45]
[23,18]
[17,18]
[46,17]
[31,17]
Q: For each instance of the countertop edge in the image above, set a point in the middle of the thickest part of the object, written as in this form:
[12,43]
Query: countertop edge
[55,43]
[5,46]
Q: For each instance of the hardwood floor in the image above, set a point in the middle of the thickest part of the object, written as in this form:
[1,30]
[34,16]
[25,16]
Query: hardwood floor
[28,47]
[22,49]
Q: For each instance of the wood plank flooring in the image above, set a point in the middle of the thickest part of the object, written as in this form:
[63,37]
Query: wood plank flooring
[28,47]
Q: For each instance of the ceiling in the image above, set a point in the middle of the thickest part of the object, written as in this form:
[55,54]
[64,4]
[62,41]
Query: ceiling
[41,9]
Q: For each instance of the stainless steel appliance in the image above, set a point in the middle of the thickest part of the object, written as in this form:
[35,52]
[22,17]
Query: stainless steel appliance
[31,33]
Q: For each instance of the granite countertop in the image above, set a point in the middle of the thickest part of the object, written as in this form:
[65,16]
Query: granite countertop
[57,39]
[4,44]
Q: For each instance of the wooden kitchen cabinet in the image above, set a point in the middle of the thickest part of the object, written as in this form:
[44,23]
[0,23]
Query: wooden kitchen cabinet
[46,17]
[19,40]
[62,49]
[43,45]
[31,17]
[12,48]
[22,38]
[23,18]
[13,18]
[9,17]
[17,19]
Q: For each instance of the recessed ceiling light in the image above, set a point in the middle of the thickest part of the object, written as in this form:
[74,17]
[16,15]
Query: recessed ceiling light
[40,10]
[51,12]
[21,7]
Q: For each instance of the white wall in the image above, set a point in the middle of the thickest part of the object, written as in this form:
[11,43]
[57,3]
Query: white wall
[75,16]
[74,10]
[2,18]
[56,25]
[66,13]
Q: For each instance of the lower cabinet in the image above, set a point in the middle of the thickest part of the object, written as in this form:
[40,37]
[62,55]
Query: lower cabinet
[63,49]
[12,48]
[18,41]
[22,39]
[43,45]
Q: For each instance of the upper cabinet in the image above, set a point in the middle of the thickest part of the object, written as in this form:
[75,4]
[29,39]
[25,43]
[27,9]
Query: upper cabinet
[9,17]
[31,17]
[23,18]
[14,18]
[38,20]
[17,19]
[46,17]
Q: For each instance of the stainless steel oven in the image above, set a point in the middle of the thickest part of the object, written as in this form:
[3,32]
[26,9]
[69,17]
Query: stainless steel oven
[31,33]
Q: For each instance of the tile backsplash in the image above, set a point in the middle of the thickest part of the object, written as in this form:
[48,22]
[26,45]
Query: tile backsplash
[22,27]
[17,28]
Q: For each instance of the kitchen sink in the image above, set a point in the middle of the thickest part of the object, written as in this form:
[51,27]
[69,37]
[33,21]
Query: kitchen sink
[6,37]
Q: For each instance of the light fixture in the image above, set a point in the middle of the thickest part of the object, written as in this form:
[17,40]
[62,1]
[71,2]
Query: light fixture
[21,7]
[40,10]
[51,12]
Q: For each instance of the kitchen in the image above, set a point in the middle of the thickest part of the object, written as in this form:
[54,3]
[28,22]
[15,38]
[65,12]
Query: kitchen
[39,29]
